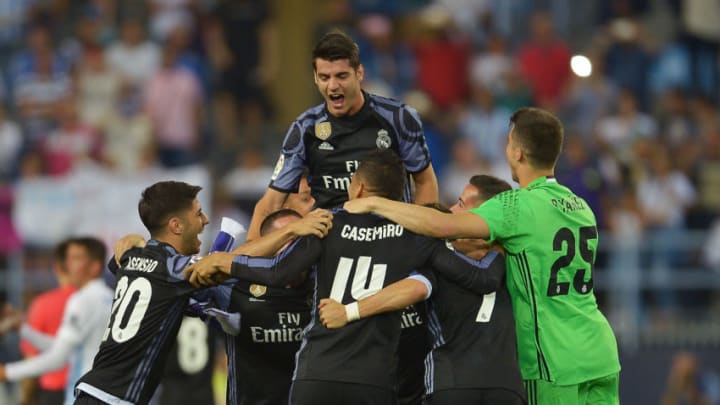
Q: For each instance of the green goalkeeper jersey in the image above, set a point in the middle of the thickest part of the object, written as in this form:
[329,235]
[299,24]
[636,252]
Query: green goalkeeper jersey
[550,238]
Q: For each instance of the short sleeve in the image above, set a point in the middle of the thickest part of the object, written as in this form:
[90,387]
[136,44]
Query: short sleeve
[501,215]
[412,145]
[290,164]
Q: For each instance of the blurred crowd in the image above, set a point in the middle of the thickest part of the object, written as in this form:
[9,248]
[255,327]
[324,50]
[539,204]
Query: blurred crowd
[132,84]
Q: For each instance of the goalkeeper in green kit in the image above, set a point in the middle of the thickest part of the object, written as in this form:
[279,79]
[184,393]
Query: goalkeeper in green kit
[567,350]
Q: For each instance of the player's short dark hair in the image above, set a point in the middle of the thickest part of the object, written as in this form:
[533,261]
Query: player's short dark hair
[60,253]
[383,173]
[438,206]
[540,134]
[164,199]
[489,186]
[95,247]
[268,223]
[337,45]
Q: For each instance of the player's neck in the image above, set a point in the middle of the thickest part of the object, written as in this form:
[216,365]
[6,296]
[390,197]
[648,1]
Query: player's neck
[526,177]
[357,105]
[171,240]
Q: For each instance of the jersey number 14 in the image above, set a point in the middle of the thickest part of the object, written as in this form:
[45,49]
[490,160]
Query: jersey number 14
[361,287]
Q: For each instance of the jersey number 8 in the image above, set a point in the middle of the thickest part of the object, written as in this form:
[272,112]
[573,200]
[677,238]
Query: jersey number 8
[135,298]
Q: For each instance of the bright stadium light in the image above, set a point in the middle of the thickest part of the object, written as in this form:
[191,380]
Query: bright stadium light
[581,65]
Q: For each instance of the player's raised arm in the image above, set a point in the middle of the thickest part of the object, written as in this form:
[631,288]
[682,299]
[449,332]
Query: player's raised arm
[281,269]
[316,223]
[426,186]
[423,220]
[270,202]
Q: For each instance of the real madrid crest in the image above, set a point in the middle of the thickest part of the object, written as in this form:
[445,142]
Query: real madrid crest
[258,290]
[383,140]
[323,130]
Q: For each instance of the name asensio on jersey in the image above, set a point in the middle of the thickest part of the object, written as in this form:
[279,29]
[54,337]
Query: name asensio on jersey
[372,233]
[141,264]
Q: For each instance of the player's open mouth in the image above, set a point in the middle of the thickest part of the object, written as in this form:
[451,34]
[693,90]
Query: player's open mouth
[337,100]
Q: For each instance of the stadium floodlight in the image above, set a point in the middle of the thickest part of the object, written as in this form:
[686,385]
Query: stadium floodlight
[581,65]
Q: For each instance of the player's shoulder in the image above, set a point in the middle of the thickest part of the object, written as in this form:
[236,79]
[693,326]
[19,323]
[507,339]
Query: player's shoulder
[311,116]
[46,298]
[385,102]
[506,199]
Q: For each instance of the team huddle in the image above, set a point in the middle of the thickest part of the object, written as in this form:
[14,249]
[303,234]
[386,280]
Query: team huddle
[379,295]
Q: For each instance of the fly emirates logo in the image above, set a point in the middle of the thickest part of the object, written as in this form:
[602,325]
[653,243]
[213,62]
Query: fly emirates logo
[341,182]
[288,329]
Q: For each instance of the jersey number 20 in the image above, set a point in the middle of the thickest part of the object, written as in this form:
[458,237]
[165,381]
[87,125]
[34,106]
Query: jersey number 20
[134,298]
[565,236]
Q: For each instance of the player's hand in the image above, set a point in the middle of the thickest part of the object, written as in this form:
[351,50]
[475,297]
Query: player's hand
[472,248]
[126,243]
[11,319]
[359,205]
[211,270]
[332,313]
[318,223]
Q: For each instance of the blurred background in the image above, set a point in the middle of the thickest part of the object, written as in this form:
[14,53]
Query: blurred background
[100,98]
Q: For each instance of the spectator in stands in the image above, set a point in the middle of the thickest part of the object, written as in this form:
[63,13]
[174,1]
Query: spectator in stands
[464,160]
[40,85]
[589,99]
[167,15]
[579,170]
[545,62]
[689,384]
[627,59]
[244,33]
[485,124]
[128,134]
[173,101]
[489,68]
[98,89]
[134,57]
[702,39]
[623,129]
[664,194]
[388,62]
[72,143]
[442,59]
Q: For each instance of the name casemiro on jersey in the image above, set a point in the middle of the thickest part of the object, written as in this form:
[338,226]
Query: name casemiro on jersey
[359,234]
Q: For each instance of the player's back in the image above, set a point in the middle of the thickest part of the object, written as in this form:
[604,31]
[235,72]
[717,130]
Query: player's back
[187,379]
[360,255]
[550,236]
[150,298]
[272,322]
[474,342]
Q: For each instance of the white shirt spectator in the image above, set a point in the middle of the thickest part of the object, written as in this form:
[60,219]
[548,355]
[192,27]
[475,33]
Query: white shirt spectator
[78,338]
[666,197]
[134,63]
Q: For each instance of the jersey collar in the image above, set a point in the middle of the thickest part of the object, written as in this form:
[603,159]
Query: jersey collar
[541,181]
